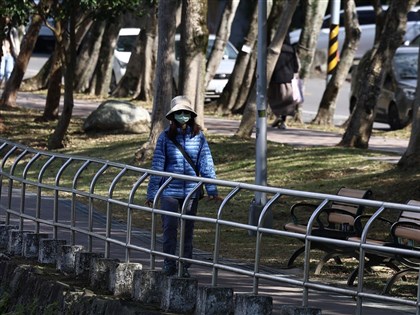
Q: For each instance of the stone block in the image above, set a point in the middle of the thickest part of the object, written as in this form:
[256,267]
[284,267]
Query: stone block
[251,304]
[84,261]
[49,250]
[4,234]
[179,295]
[299,310]
[100,273]
[66,260]
[147,286]
[30,244]
[121,278]
[14,246]
[214,300]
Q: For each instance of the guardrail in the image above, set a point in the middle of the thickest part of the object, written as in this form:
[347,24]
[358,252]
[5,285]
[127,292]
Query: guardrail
[29,176]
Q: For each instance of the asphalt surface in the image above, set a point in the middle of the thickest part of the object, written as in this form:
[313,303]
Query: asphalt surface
[293,136]
[282,294]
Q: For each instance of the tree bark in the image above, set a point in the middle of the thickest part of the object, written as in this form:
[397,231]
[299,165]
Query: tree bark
[103,72]
[326,110]
[360,125]
[411,156]
[273,52]
[222,37]
[193,45]
[228,99]
[55,76]
[11,89]
[88,56]
[248,80]
[163,78]
[138,78]
[57,139]
[314,14]
[40,80]
[144,88]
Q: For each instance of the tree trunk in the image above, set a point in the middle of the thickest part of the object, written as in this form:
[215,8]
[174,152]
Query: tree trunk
[248,81]
[193,45]
[411,157]
[55,76]
[227,100]
[163,78]
[142,64]
[40,80]
[57,139]
[222,37]
[103,71]
[314,14]
[273,52]
[326,110]
[144,89]
[88,56]
[13,84]
[360,125]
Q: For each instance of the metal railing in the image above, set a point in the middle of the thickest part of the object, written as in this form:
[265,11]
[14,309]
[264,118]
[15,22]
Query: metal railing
[63,188]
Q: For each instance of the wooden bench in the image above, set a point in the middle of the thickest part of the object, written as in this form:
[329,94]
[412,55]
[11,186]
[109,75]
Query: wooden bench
[336,220]
[403,234]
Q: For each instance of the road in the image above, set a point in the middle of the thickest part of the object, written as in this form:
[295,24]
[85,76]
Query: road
[314,88]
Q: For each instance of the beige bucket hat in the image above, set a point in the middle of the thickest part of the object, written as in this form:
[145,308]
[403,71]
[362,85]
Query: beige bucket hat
[179,103]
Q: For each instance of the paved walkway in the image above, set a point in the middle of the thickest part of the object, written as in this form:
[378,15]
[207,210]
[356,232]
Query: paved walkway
[293,136]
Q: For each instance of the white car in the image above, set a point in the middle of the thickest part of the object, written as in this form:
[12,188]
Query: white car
[223,72]
[126,40]
[122,52]
[366,16]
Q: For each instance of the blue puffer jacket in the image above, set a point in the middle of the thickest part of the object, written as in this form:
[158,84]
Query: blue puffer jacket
[168,158]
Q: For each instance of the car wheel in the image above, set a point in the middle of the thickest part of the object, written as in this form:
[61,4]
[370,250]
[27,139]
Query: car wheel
[394,117]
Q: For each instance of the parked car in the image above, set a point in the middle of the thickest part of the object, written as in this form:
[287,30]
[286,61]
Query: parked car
[396,99]
[366,16]
[126,40]
[223,72]
[122,52]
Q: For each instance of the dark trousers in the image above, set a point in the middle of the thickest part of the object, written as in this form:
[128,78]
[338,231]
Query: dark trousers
[170,228]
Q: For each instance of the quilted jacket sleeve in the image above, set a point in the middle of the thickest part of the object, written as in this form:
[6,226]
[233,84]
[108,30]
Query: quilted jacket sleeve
[158,164]
[206,166]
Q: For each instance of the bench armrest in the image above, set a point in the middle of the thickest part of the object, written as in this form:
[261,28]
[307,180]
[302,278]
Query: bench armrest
[360,220]
[297,209]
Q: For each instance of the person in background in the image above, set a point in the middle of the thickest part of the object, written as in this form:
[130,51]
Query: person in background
[280,90]
[10,50]
[167,157]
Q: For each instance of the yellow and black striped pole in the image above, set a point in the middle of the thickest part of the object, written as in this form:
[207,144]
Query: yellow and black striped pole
[333,52]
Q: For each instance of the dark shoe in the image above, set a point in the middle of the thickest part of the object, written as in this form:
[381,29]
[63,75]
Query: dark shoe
[169,270]
[282,126]
[185,273]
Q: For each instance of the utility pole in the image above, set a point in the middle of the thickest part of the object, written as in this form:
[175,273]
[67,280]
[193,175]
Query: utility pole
[333,52]
[260,199]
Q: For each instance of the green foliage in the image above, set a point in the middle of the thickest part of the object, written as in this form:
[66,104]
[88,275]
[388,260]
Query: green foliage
[4,302]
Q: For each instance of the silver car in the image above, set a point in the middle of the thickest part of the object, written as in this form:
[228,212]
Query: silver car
[396,99]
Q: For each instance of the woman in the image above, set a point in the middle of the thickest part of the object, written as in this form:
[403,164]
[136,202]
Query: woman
[168,157]
[280,91]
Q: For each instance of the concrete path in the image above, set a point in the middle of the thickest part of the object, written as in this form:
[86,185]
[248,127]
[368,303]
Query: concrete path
[293,136]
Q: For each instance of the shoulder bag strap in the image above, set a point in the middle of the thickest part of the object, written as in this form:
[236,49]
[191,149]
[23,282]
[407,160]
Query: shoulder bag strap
[186,156]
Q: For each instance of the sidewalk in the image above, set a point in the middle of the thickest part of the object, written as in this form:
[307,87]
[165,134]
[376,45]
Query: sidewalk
[293,136]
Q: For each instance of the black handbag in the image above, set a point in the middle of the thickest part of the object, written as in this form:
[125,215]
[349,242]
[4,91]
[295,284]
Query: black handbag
[194,166]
